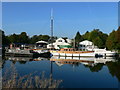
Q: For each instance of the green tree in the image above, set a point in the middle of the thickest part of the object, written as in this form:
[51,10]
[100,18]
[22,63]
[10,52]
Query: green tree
[14,38]
[45,37]
[98,42]
[86,35]
[111,40]
[78,38]
[118,39]
[98,38]
[23,38]
[34,39]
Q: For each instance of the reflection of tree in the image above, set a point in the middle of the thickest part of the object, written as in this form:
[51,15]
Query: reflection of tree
[2,63]
[11,79]
[114,69]
[76,64]
[13,62]
[22,62]
[95,68]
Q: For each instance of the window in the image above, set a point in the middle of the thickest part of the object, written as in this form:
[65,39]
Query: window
[59,40]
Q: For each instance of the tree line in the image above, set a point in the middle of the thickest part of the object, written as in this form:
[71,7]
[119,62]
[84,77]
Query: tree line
[102,40]
[22,38]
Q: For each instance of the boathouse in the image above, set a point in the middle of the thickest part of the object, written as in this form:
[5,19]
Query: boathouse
[59,42]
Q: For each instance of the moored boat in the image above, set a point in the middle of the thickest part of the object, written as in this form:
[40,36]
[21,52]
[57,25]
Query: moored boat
[41,52]
[105,53]
[72,53]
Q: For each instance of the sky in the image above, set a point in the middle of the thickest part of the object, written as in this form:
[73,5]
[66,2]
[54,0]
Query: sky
[69,17]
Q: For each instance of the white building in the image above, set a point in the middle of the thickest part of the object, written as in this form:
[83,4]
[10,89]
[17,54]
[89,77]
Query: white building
[59,42]
[87,45]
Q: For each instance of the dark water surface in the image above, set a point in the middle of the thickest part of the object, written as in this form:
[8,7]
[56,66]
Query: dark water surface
[83,73]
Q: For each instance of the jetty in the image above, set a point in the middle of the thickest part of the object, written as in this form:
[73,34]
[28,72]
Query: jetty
[18,53]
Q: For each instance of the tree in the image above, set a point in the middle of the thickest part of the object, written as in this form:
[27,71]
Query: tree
[45,37]
[23,38]
[113,40]
[14,38]
[86,35]
[34,39]
[98,42]
[98,38]
[4,39]
[78,38]
[117,35]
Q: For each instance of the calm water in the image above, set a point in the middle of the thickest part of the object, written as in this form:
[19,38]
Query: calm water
[73,73]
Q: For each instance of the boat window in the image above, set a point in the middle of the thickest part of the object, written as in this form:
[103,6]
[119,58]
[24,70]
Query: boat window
[59,40]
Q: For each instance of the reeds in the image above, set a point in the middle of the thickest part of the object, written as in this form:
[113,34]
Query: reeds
[11,79]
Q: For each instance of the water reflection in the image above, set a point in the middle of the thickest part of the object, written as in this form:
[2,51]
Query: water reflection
[93,64]
[89,61]
[12,79]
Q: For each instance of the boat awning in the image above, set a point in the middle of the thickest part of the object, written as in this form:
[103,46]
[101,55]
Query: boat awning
[65,46]
[41,42]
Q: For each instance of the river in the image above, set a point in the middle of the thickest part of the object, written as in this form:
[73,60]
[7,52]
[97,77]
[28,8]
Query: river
[60,72]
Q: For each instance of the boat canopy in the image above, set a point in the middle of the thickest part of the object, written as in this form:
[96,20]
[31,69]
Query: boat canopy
[65,46]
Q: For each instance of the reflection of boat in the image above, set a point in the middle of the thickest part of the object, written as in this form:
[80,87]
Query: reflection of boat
[83,60]
[18,58]
[25,58]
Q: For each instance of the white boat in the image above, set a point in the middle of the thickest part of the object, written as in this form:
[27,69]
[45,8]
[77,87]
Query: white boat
[41,52]
[104,52]
[70,52]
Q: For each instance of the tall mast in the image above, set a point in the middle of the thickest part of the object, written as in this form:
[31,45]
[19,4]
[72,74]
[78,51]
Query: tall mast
[51,26]
[51,67]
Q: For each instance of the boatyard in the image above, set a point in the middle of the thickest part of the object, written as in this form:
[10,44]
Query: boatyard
[60,45]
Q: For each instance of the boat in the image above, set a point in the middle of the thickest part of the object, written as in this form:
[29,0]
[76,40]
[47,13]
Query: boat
[105,53]
[71,52]
[41,52]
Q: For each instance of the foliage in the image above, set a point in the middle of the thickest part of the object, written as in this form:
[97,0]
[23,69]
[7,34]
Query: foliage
[113,40]
[97,37]
[78,38]
[110,43]
[22,38]
[100,39]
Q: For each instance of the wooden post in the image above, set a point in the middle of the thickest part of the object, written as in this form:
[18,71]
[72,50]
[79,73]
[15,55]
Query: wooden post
[79,56]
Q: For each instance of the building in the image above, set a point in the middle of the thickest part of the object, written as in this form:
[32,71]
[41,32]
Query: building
[87,45]
[60,42]
[41,44]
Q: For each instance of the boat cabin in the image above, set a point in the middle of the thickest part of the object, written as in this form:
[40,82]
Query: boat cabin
[67,49]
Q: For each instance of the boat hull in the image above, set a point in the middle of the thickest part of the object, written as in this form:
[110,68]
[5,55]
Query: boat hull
[72,54]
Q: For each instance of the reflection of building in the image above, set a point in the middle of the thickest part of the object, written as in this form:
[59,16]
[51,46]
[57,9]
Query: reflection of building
[59,42]
[87,45]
